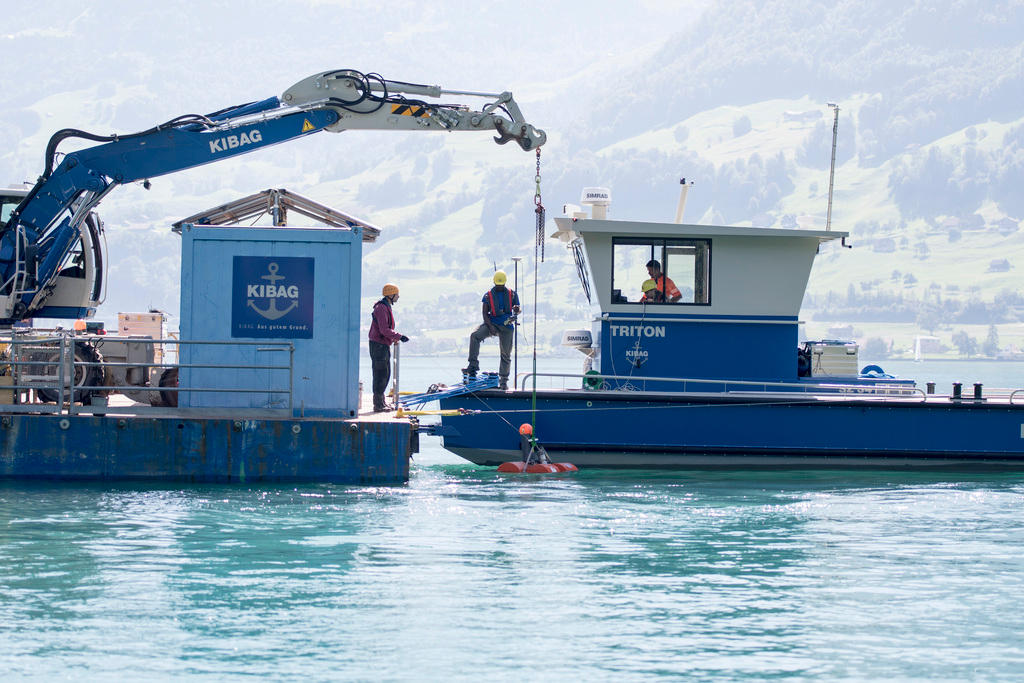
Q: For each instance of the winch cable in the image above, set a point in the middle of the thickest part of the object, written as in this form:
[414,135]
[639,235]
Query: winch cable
[538,248]
[538,257]
[492,411]
[627,385]
[636,347]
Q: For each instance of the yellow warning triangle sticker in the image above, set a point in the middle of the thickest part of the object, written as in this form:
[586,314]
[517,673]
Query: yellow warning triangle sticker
[307,126]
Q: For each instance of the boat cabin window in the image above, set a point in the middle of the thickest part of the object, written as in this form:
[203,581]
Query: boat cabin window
[661,271]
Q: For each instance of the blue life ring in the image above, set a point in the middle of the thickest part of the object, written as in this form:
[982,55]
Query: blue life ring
[876,369]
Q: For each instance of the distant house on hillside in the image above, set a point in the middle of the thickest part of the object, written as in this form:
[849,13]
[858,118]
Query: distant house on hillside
[808,116]
[885,245]
[841,332]
[1006,226]
[973,221]
[999,265]
[1013,353]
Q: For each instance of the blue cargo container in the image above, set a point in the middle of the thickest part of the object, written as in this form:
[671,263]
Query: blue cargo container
[299,285]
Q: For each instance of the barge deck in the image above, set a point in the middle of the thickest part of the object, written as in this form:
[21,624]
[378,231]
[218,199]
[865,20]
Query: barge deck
[129,441]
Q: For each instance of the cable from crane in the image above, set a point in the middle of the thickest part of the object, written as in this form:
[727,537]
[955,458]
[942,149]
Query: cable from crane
[64,134]
[362,84]
[60,136]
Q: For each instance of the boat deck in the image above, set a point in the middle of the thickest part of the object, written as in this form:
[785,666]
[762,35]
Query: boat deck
[996,396]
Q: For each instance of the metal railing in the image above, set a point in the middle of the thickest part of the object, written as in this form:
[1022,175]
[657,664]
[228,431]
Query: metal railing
[53,374]
[759,386]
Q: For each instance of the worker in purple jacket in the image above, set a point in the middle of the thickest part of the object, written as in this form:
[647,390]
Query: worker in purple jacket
[382,336]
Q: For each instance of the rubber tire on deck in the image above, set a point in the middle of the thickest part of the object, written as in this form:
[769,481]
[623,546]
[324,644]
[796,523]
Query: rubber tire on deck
[169,378]
[87,380]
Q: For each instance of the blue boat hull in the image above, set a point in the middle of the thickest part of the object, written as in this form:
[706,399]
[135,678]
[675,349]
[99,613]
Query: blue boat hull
[205,450]
[620,429]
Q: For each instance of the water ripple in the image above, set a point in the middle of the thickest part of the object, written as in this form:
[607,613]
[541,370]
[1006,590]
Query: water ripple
[464,573]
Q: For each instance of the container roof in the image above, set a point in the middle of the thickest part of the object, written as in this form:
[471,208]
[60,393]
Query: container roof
[283,201]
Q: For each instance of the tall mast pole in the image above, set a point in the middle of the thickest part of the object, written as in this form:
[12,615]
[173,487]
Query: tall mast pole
[832,171]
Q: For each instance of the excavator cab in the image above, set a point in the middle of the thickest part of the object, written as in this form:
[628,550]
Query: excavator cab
[78,287]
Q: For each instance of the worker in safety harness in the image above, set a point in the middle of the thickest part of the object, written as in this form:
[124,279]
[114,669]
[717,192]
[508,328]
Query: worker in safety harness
[500,308]
[382,336]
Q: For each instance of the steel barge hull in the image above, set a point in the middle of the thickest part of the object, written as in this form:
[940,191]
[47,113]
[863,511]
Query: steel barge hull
[200,449]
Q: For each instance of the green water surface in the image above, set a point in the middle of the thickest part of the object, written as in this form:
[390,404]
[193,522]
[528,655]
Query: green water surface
[465,573]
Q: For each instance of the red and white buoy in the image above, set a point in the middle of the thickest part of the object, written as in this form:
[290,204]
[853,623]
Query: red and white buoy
[535,458]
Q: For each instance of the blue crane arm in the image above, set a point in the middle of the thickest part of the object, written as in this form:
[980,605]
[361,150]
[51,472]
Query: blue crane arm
[42,232]
[98,169]
[48,223]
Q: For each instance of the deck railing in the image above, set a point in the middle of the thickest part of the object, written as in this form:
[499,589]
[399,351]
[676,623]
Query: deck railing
[51,374]
[599,382]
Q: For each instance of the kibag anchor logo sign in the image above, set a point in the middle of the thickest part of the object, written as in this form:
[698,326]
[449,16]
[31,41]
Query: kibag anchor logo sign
[273,293]
[272,297]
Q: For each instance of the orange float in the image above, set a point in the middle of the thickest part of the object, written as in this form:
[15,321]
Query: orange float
[536,460]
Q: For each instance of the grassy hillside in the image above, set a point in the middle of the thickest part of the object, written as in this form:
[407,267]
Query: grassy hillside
[930,158]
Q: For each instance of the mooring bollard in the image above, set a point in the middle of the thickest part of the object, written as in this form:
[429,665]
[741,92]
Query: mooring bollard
[929,387]
[957,391]
[977,391]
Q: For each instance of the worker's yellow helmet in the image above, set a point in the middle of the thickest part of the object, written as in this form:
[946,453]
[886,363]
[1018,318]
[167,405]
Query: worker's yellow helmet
[648,285]
[500,277]
[389,289]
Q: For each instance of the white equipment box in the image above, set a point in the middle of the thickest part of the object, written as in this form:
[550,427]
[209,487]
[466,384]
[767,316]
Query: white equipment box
[140,325]
[833,359]
[143,325]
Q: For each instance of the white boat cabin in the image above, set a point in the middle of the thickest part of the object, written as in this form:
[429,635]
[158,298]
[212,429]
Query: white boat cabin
[692,301]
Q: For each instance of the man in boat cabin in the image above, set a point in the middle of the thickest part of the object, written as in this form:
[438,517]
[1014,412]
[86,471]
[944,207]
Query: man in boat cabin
[500,308]
[663,283]
[382,337]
